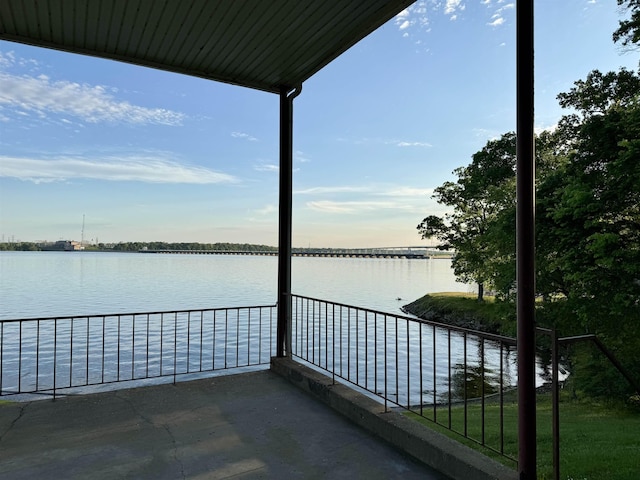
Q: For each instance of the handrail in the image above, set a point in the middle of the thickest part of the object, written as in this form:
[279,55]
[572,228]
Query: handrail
[555,394]
[124,314]
[610,356]
[427,368]
[47,355]
[488,335]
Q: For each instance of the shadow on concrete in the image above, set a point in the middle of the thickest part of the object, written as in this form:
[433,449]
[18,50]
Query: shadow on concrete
[253,425]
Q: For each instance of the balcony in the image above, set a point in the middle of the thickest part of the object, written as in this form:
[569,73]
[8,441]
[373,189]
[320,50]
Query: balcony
[186,420]
[252,425]
[280,67]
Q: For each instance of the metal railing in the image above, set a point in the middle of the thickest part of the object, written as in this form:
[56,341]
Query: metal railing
[460,379]
[555,344]
[49,355]
[433,370]
[457,378]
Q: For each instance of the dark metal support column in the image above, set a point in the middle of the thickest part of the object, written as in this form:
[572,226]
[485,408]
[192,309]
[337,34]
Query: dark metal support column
[283,335]
[525,241]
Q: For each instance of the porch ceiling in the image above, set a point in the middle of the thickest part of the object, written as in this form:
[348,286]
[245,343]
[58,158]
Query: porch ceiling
[259,44]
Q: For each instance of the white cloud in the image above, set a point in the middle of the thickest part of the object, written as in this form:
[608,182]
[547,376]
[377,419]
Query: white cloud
[497,18]
[93,104]
[402,191]
[301,157]
[7,59]
[349,207]
[133,168]
[325,190]
[409,192]
[538,129]
[416,14]
[266,167]
[364,199]
[362,206]
[244,136]
[394,141]
[266,210]
[414,144]
[483,133]
[453,6]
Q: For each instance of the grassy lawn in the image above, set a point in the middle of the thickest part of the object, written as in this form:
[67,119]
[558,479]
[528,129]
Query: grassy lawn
[464,310]
[597,441]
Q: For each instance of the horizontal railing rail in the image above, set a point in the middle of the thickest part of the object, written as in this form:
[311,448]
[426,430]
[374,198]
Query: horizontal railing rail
[434,370]
[51,354]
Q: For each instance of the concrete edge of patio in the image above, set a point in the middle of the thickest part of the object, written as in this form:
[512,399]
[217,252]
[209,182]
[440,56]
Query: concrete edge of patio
[428,446]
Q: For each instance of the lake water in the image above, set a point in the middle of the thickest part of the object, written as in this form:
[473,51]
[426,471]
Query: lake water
[366,348]
[43,284]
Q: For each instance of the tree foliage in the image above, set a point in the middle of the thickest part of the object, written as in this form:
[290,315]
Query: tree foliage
[137,246]
[483,190]
[591,208]
[589,215]
[628,31]
[587,218]
[19,246]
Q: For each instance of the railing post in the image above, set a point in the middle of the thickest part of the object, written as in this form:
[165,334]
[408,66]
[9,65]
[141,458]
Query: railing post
[525,239]
[555,400]
[55,355]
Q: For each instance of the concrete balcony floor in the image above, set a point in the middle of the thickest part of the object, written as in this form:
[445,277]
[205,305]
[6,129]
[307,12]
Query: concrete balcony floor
[251,425]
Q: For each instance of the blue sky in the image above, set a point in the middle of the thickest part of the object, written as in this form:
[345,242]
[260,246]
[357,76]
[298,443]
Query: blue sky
[148,155]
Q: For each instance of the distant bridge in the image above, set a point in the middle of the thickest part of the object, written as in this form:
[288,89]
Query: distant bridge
[419,252]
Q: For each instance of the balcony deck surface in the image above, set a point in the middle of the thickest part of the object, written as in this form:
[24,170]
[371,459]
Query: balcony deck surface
[251,425]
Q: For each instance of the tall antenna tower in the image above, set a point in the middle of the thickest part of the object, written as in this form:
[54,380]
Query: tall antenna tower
[82,234]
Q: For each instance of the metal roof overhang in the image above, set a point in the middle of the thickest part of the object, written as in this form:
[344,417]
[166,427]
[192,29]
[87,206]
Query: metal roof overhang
[261,44]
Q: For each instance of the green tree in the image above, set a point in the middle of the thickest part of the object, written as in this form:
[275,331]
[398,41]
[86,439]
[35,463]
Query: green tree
[628,31]
[588,216]
[592,208]
[483,190]
[589,222]
[482,225]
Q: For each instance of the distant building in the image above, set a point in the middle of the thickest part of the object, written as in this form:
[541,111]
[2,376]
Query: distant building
[63,246]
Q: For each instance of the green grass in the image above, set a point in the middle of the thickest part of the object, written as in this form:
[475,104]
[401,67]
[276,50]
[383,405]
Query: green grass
[597,441]
[463,309]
